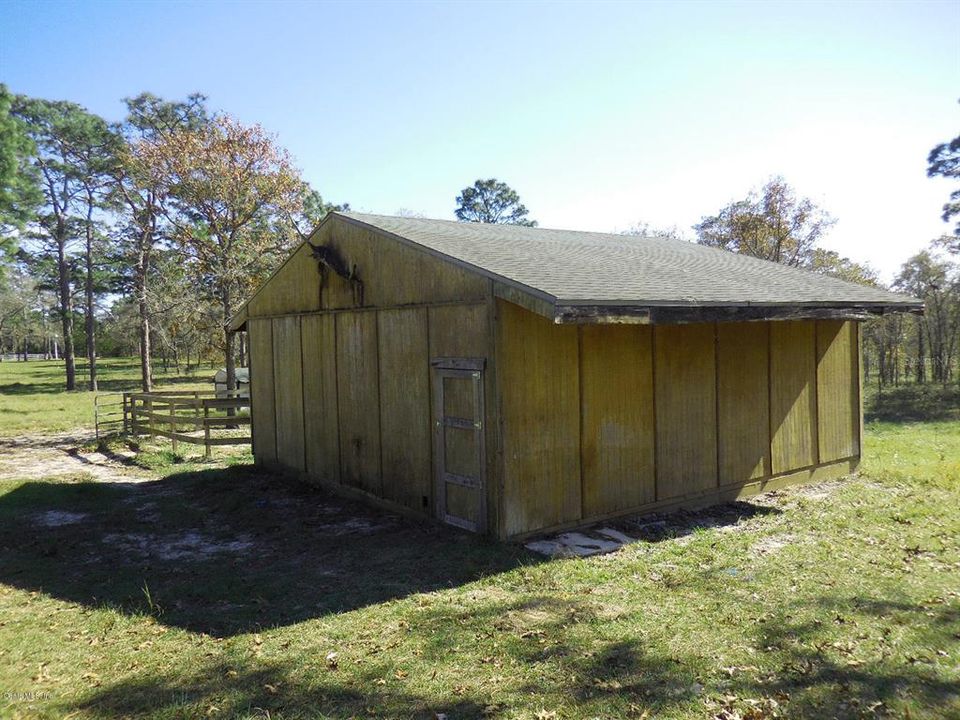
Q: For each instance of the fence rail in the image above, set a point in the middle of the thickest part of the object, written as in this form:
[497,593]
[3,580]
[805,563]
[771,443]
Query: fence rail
[182,416]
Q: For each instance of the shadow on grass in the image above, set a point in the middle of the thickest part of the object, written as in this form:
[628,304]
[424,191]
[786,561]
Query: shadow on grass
[105,385]
[820,676]
[805,675]
[914,403]
[227,551]
[658,527]
[267,689]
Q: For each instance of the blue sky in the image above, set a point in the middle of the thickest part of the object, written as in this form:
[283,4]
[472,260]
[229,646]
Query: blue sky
[600,114]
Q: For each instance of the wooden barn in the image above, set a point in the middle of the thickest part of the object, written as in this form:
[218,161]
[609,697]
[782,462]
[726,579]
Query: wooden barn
[511,380]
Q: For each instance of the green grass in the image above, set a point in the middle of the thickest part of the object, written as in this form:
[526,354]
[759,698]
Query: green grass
[222,591]
[33,400]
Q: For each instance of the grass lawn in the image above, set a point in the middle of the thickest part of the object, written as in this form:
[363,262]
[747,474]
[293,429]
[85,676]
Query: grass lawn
[32,396]
[216,591]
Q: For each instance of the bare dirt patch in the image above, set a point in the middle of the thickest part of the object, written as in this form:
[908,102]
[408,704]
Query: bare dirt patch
[191,545]
[58,518]
[772,544]
[31,457]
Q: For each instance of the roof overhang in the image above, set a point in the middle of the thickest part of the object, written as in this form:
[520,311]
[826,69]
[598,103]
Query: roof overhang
[572,312]
[239,320]
[652,314]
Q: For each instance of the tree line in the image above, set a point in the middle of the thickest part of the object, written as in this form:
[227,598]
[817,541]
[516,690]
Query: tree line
[143,237]
[172,216]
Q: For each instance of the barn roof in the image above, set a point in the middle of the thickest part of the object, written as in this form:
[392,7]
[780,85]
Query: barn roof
[588,276]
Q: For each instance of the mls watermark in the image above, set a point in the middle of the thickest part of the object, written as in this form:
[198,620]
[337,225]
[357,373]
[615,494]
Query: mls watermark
[26,696]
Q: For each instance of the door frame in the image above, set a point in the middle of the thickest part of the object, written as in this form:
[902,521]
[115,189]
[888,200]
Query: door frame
[471,369]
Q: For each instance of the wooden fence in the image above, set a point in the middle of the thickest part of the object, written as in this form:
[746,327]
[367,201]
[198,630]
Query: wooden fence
[188,416]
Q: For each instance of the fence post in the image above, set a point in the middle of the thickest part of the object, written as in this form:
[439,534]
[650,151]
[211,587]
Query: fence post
[172,409]
[149,403]
[126,430]
[134,422]
[206,432]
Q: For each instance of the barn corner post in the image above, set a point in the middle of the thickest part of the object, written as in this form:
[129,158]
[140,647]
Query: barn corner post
[493,404]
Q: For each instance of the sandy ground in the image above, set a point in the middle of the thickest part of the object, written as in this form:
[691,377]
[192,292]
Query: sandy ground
[63,456]
[31,457]
[678,526]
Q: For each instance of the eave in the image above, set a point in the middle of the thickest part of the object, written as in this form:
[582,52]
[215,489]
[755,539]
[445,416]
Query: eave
[675,314]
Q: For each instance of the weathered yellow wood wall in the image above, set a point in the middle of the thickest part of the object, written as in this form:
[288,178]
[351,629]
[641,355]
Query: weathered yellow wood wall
[294,288]
[538,366]
[667,416]
[320,426]
[793,395]
[358,397]
[404,407]
[743,402]
[838,390]
[686,407]
[262,397]
[392,275]
[288,390]
[616,394]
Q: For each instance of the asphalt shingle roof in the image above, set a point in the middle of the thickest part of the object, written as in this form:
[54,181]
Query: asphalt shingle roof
[588,268]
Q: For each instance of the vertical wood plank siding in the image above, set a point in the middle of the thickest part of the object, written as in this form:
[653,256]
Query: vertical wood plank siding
[617,404]
[743,406]
[288,386]
[838,399]
[404,407]
[358,397]
[580,423]
[539,368]
[686,409]
[724,405]
[294,288]
[321,428]
[793,395]
[392,273]
[262,396]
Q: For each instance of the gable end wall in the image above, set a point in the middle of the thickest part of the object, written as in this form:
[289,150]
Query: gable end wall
[342,391]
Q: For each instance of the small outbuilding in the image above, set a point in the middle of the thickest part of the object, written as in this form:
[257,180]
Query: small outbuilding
[512,380]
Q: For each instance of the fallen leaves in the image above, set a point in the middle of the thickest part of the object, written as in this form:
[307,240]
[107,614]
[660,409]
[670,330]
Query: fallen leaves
[732,707]
[43,673]
[92,678]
